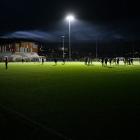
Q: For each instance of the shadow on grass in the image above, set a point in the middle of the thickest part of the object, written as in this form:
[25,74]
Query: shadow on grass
[109,67]
[90,65]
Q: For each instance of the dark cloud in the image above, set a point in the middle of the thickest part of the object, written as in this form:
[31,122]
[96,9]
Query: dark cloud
[83,32]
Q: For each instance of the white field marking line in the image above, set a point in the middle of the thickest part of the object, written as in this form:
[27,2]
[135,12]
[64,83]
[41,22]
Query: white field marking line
[35,123]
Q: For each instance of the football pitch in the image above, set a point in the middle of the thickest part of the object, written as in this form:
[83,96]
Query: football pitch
[75,100]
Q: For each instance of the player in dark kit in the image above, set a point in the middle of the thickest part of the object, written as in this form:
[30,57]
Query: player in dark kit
[55,61]
[42,61]
[6,63]
[63,61]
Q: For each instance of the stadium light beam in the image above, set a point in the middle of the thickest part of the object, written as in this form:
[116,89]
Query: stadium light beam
[70,18]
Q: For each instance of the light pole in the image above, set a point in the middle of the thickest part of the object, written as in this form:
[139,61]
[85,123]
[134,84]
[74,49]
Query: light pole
[63,46]
[96,47]
[70,18]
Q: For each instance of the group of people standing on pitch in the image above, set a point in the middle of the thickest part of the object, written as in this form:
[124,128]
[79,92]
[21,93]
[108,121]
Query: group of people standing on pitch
[88,61]
[105,61]
[111,61]
[128,61]
[55,61]
[116,61]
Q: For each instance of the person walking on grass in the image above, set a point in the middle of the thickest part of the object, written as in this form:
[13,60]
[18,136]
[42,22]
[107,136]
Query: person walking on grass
[42,60]
[131,61]
[106,60]
[114,61]
[110,61]
[86,60]
[6,63]
[55,61]
[89,60]
[22,60]
[118,61]
[102,61]
[63,61]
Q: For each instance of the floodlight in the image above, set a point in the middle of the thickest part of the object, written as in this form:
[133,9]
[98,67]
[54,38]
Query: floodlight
[70,18]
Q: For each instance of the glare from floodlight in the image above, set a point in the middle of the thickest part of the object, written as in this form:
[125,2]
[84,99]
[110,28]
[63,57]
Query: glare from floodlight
[70,18]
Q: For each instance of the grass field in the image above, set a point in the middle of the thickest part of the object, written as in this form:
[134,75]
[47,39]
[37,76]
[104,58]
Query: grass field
[81,102]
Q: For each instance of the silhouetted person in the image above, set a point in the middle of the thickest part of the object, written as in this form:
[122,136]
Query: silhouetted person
[89,60]
[86,60]
[131,61]
[6,63]
[55,61]
[22,60]
[110,61]
[118,61]
[42,60]
[102,61]
[114,60]
[63,61]
[126,61]
[106,60]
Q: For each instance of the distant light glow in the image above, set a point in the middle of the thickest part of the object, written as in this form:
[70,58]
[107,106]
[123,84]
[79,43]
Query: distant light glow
[70,18]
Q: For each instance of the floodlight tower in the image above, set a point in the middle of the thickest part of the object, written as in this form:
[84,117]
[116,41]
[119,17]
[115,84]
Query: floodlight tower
[70,18]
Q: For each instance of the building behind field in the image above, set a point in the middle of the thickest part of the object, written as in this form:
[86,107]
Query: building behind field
[18,50]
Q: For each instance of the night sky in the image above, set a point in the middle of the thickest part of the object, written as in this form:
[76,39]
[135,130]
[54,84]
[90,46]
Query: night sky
[44,19]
